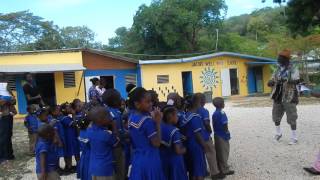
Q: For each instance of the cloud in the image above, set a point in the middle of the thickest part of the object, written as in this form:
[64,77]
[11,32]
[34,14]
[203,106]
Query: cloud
[61,3]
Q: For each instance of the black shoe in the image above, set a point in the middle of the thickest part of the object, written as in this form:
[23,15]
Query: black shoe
[229,173]
[312,171]
[218,176]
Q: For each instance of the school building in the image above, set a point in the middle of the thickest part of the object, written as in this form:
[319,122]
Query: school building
[63,75]
[218,74]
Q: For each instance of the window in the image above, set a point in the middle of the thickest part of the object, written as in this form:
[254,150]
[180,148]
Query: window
[131,79]
[11,79]
[69,79]
[163,79]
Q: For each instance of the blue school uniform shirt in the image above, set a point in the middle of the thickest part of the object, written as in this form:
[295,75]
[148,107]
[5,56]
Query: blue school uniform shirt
[83,172]
[31,121]
[219,120]
[44,146]
[204,114]
[102,142]
[117,117]
[181,118]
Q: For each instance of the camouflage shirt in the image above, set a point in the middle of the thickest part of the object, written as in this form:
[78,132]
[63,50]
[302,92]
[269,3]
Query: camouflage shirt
[285,87]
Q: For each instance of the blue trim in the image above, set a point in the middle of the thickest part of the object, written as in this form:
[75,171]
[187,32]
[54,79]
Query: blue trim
[139,83]
[207,56]
[22,102]
[119,77]
[252,86]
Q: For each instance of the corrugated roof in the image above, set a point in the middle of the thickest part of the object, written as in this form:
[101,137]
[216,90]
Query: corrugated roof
[207,56]
[94,51]
[21,68]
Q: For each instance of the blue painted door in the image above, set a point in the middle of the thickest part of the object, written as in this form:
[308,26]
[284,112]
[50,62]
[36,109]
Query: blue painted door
[22,102]
[252,87]
[187,83]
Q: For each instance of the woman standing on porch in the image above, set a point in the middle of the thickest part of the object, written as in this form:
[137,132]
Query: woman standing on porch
[32,92]
[94,96]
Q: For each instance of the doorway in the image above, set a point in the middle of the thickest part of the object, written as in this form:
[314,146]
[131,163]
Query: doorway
[234,81]
[255,80]
[229,82]
[107,81]
[187,83]
[46,85]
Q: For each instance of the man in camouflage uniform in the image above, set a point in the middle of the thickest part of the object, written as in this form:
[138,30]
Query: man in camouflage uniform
[285,95]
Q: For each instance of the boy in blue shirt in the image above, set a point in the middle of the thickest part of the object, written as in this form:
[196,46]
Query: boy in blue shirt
[31,123]
[102,143]
[221,136]
[211,153]
[46,157]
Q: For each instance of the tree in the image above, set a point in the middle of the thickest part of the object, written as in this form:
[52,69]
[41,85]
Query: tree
[77,37]
[303,16]
[173,26]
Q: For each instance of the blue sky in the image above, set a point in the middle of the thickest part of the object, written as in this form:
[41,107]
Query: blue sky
[103,16]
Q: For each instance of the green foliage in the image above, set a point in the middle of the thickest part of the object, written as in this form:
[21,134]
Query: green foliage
[25,31]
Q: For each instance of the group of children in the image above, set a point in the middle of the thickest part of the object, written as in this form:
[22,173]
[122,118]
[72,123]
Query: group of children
[139,139]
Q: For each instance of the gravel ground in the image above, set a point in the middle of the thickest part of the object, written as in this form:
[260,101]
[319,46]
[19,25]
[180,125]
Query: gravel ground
[254,154]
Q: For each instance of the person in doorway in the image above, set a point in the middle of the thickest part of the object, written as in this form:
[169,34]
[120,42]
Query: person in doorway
[285,95]
[94,96]
[32,92]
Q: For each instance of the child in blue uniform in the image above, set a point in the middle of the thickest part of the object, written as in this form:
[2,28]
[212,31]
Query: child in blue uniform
[45,154]
[83,170]
[126,143]
[71,147]
[31,123]
[55,121]
[221,136]
[112,99]
[196,147]
[172,149]
[211,153]
[102,141]
[145,135]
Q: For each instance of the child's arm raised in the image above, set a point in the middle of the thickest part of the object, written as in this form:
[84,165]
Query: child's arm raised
[43,162]
[155,137]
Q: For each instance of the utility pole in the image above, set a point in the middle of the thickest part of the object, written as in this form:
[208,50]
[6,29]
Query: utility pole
[217,40]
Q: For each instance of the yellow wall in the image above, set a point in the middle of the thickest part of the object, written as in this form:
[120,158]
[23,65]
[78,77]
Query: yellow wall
[42,58]
[69,94]
[149,75]
[266,77]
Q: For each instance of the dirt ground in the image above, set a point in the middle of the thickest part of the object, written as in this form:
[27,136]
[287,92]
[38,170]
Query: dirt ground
[254,154]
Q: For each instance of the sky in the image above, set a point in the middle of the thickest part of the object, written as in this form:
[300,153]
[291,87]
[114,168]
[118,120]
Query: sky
[103,16]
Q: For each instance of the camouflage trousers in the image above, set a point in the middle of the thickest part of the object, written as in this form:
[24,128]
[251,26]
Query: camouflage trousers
[289,108]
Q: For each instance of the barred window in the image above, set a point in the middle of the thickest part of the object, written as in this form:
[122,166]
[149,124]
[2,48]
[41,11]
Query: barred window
[163,79]
[69,79]
[11,79]
[131,79]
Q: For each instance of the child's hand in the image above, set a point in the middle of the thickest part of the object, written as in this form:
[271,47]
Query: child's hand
[156,115]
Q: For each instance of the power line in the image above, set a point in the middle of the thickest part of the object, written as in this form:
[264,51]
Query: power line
[158,55]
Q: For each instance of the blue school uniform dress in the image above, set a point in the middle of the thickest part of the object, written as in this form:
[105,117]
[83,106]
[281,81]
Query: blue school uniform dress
[44,146]
[204,114]
[31,122]
[102,142]
[57,125]
[83,170]
[195,157]
[172,163]
[146,162]
[71,147]
[117,118]
[219,120]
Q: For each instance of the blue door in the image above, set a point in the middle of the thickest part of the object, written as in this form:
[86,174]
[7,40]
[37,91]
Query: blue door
[252,87]
[22,102]
[187,83]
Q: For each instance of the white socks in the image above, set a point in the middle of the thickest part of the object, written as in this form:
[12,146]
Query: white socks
[278,130]
[294,134]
